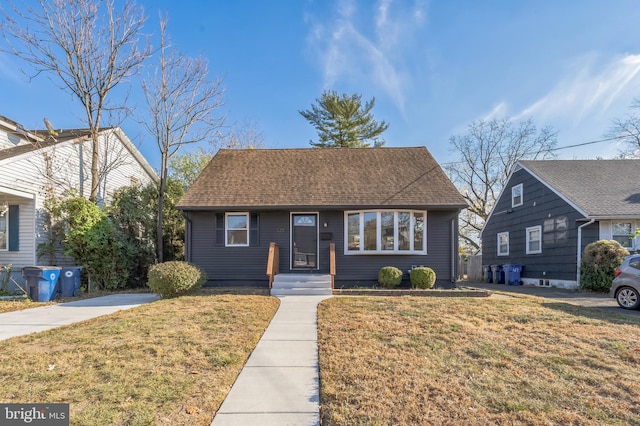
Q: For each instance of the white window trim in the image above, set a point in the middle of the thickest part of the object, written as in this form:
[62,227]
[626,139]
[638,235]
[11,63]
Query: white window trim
[528,239]
[226,229]
[361,251]
[498,241]
[630,236]
[514,189]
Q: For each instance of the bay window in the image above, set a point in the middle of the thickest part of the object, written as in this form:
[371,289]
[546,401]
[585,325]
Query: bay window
[385,232]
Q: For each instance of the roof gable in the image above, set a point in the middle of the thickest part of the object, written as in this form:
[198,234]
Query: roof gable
[330,177]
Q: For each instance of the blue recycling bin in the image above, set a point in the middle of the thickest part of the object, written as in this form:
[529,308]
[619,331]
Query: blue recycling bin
[498,274]
[70,281]
[512,272]
[488,276]
[42,282]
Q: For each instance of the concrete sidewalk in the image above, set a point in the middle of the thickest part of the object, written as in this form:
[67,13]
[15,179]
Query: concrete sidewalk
[279,384]
[33,320]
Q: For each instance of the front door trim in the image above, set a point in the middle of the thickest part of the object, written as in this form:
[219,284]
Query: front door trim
[291,252]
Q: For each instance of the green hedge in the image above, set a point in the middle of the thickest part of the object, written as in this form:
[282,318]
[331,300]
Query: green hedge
[171,279]
[422,277]
[390,277]
[599,263]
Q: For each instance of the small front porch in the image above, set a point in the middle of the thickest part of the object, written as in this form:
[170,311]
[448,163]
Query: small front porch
[299,284]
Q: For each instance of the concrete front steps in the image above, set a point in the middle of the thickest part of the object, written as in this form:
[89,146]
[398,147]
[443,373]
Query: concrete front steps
[301,285]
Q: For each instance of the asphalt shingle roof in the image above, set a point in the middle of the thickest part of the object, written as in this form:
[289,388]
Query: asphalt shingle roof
[330,177]
[601,188]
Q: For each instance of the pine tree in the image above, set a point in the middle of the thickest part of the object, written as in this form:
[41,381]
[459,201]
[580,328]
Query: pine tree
[343,122]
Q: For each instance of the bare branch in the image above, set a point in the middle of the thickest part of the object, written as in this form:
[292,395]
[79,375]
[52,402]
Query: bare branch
[183,105]
[627,129]
[488,153]
[87,47]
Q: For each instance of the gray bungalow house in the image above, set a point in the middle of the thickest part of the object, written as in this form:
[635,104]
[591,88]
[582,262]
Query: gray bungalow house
[550,210]
[377,207]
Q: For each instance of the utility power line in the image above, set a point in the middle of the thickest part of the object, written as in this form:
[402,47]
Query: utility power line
[558,148]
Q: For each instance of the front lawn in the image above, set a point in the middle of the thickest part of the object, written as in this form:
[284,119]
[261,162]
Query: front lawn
[453,361]
[169,362]
[20,304]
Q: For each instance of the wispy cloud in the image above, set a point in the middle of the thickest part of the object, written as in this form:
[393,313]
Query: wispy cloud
[591,89]
[360,44]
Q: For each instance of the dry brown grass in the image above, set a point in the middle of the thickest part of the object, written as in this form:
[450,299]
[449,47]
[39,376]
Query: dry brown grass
[170,362]
[18,305]
[432,361]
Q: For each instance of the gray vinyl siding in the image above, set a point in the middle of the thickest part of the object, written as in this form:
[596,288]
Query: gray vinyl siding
[247,265]
[362,270]
[542,207]
[590,234]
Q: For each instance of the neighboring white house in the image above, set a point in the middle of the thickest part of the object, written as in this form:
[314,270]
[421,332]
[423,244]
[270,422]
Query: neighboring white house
[36,162]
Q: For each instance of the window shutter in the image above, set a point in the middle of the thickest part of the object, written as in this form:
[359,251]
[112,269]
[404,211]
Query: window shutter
[254,230]
[219,230]
[14,228]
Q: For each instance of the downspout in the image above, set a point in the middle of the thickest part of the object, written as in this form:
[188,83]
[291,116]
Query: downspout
[187,236]
[580,249]
[454,251]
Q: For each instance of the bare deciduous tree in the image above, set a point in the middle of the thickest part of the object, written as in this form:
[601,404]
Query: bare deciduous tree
[88,47]
[488,153]
[186,167]
[627,130]
[243,135]
[183,106]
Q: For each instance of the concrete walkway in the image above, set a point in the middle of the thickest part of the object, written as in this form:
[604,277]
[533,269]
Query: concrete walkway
[279,384]
[34,320]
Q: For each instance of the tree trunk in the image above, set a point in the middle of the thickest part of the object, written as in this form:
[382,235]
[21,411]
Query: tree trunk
[95,177]
[161,190]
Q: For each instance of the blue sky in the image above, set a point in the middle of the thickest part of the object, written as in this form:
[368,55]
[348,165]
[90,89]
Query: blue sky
[433,66]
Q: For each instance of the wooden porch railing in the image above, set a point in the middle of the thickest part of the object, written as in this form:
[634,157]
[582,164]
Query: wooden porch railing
[332,263]
[273,262]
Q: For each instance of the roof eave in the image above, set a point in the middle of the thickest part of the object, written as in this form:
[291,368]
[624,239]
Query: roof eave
[457,207]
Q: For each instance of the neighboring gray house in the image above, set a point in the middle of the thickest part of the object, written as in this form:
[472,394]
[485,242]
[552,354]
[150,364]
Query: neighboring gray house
[34,164]
[550,210]
[378,206]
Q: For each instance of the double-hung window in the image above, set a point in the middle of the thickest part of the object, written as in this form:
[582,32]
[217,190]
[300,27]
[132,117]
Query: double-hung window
[237,229]
[623,233]
[386,231]
[503,244]
[534,240]
[516,196]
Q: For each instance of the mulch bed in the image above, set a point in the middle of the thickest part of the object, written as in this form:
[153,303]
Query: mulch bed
[456,292]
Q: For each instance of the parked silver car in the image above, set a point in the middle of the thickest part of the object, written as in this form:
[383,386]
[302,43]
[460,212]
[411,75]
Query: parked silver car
[625,287]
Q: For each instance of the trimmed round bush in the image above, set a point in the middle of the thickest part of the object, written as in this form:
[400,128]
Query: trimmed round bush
[599,263]
[390,277]
[171,279]
[422,277]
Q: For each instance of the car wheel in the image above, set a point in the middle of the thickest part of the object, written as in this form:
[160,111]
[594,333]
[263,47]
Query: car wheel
[628,298]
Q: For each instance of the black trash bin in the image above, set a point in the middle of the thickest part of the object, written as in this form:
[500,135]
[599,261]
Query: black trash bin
[70,281]
[42,282]
[498,274]
[486,271]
